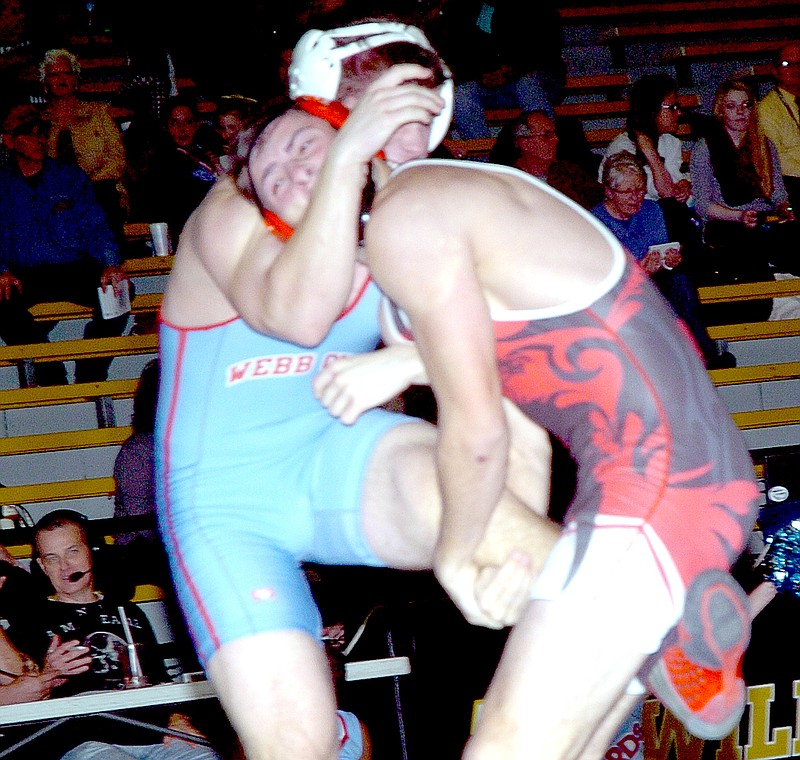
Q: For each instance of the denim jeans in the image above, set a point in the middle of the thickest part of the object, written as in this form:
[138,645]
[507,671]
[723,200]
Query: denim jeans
[471,100]
[176,750]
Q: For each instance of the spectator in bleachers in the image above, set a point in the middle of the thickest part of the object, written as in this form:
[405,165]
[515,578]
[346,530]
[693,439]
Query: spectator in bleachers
[133,465]
[230,118]
[55,245]
[503,55]
[779,113]
[740,193]
[76,609]
[638,224]
[141,551]
[530,143]
[63,550]
[21,679]
[180,168]
[84,132]
[653,118]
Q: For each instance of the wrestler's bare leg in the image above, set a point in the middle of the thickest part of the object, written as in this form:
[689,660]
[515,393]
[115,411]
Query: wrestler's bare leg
[402,507]
[270,681]
[555,687]
[601,740]
[277,691]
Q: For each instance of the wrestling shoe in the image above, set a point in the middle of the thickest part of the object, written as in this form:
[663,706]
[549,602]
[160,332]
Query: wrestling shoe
[698,677]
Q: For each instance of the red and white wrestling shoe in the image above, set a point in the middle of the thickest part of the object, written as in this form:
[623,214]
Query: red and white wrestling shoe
[698,677]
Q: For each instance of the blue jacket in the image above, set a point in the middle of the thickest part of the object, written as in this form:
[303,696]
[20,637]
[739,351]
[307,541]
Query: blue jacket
[52,218]
[645,228]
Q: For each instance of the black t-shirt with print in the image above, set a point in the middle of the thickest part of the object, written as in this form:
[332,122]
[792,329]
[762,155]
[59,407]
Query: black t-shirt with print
[98,625]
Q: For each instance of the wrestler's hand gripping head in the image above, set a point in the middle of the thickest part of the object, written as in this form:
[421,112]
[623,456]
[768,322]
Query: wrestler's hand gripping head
[335,114]
[318,68]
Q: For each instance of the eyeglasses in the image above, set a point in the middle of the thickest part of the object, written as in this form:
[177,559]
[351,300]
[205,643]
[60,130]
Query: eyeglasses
[550,134]
[746,106]
[672,106]
[629,192]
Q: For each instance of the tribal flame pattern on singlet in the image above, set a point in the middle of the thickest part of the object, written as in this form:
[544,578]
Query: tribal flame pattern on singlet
[620,381]
[623,387]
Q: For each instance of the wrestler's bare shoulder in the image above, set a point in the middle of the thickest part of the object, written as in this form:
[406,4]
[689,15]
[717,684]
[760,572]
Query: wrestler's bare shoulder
[212,245]
[457,188]
[224,215]
[532,247]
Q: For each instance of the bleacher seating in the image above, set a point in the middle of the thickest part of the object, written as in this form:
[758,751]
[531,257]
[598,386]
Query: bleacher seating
[688,30]
[626,12]
[762,391]
[686,33]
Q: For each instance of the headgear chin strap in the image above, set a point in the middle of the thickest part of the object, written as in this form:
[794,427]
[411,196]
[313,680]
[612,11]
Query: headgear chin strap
[316,67]
[335,114]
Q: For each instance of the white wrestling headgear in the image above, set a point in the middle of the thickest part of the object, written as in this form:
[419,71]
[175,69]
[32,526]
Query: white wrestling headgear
[316,67]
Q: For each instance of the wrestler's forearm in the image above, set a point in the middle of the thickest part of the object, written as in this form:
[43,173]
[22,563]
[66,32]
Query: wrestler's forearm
[472,473]
[308,284]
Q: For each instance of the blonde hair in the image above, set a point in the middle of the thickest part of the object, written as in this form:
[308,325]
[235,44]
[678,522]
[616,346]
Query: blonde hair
[57,54]
[754,146]
[620,164]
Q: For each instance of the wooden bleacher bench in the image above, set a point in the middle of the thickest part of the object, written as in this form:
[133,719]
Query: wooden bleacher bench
[41,493]
[720,28]
[142,303]
[683,56]
[759,373]
[599,83]
[762,373]
[767,418]
[575,13]
[748,291]
[136,230]
[23,398]
[148,265]
[781,328]
[70,440]
[70,350]
[469,148]
[593,109]
[480,147]
[104,62]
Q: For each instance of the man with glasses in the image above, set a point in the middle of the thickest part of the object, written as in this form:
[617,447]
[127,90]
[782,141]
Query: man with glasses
[531,143]
[779,114]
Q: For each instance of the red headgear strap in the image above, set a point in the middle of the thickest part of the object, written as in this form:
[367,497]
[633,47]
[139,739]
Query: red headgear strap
[335,114]
[331,111]
[277,226]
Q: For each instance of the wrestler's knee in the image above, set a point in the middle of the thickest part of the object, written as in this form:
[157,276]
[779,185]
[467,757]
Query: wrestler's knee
[401,502]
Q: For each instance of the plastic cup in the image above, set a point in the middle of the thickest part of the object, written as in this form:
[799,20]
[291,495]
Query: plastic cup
[162,245]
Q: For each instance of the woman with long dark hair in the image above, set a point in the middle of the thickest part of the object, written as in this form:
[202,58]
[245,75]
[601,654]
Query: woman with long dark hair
[651,135]
[654,112]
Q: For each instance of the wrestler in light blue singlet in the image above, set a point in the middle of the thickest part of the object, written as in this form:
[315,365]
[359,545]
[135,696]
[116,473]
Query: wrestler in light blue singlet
[254,476]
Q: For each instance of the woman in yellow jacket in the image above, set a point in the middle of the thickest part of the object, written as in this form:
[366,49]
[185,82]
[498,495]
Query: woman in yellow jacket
[83,132]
